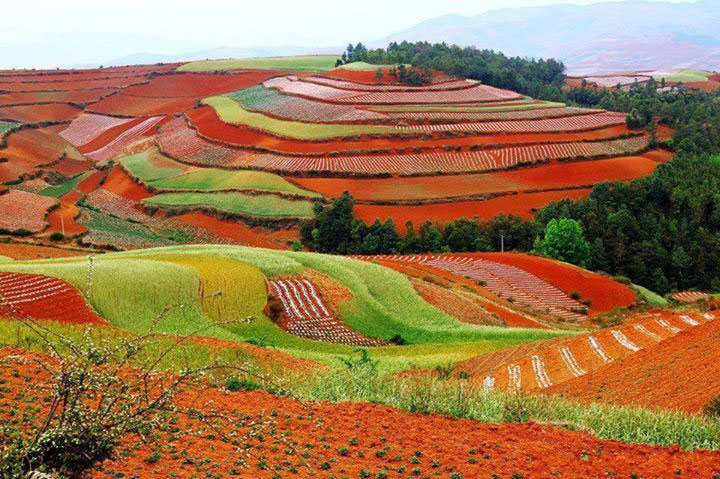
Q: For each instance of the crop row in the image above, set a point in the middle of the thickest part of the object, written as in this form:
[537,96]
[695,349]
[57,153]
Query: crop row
[570,123]
[124,139]
[478,93]
[89,126]
[20,210]
[690,296]
[577,357]
[348,85]
[42,297]
[503,115]
[309,317]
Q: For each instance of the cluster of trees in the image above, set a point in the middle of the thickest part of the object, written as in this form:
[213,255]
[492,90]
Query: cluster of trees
[538,78]
[334,229]
[662,231]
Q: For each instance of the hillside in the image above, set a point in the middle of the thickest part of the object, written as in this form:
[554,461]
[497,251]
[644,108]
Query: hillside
[239,151]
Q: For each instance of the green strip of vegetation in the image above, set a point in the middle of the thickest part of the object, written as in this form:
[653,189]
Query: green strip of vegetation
[265,206]
[302,62]
[158,171]
[66,187]
[230,111]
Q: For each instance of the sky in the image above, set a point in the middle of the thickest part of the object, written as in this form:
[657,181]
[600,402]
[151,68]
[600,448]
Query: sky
[49,33]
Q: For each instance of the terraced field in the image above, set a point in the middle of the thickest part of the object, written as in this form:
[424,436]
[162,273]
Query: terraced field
[242,141]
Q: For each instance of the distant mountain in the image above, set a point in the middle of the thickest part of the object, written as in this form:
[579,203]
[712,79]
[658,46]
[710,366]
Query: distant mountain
[601,37]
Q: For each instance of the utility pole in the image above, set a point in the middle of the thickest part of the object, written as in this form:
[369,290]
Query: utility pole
[62,223]
[502,243]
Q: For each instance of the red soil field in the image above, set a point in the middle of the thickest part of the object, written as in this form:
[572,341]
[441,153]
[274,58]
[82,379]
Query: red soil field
[522,204]
[62,218]
[40,113]
[91,183]
[94,84]
[211,126]
[43,298]
[467,448]
[556,175]
[127,105]
[108,135]
[605,293]
[679,373]
[29,148]
[238,232]
[20,210]
[199,85]
[69,166]
[79,96]
[121,184]
[22,251]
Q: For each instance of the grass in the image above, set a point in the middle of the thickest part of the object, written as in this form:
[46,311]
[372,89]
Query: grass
[521,105]
[301,62]
[260,206]
[130,289]
[66,187]
[465,399]
[158,171]
[685,76]
[230,111]
[106,229]
[653,299]
[417,393]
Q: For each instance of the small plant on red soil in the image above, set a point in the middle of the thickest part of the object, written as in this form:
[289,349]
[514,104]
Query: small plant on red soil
[96,392]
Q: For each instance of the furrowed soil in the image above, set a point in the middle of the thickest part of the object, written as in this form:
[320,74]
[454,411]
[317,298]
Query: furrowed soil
[307,438]
[681,373]
[522,204]
[23,251]
[557,175]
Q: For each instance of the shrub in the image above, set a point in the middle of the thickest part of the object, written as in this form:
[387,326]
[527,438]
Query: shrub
[515,409]
[57,236]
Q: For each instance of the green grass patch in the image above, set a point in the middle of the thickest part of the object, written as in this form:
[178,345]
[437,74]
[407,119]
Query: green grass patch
[158,171]
[261,206]
[130,289]
[106,229]
[301,62]
[8,126]
[653,299]
[685,76]
[66,187]
[230,111]
[465,399]
[365,67]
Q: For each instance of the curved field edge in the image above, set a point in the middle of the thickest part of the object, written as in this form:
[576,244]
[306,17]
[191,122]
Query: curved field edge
[130,289]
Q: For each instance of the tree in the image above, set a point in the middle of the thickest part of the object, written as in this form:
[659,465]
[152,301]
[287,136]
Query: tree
[379,74]
[564,240]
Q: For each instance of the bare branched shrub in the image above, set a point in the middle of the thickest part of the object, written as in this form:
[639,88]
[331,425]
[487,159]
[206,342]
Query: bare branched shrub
[99,390]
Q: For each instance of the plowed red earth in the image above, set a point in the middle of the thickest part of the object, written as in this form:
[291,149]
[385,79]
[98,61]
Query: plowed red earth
[70,167]
[40,113]
[522,204]
[68,85]
[238,232]
[199,85]
[62,218]
[43,298]
[605,293]
[108,135]
[29,148]
[127,105]
[79,96]
[556,175]
[316,431]
[91,183]
[24,251]
[208,124]
[680,373]
[121,184]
